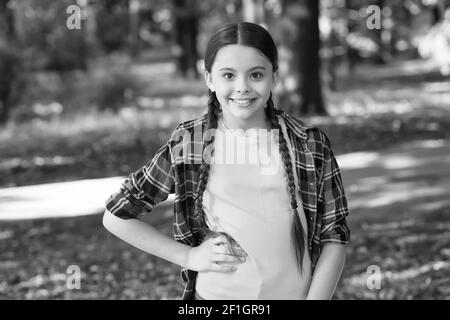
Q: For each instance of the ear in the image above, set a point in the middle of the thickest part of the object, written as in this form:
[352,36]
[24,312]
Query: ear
[275,79]
[208,80]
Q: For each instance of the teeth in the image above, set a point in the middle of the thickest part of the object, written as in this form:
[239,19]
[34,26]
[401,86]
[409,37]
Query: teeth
[242,101]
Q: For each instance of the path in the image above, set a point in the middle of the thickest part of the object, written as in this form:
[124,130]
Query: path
[417,172]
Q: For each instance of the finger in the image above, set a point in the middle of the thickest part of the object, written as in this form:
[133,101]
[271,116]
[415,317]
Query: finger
[221,239]
[223,268]
[225,258]
[227,249]
[238,251]
[221,249]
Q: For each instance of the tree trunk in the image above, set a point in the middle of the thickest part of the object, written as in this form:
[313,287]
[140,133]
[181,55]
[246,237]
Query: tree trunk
[133,11]
[353,56]
[6,20]
[186,31]
[7,59]
[437,12]
[303,89]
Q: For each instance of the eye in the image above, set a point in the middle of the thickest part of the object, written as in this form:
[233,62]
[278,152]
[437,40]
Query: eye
[228,75]
[256,75]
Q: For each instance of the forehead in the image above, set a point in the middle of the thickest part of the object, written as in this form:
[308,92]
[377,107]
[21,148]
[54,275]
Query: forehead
[239,57]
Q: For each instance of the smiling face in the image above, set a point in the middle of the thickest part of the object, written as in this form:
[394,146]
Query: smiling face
[242,78]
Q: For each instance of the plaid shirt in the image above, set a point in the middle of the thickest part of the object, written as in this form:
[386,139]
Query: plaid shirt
[175,169]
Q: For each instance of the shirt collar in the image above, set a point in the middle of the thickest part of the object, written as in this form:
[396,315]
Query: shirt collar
[293,124]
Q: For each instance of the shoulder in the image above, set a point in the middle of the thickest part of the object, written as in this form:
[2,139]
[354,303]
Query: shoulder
[193,123]
[315,137]
[190,126]
[309,132]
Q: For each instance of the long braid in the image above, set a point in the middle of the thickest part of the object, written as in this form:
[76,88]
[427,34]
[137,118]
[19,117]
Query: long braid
[211,123]
[297,228]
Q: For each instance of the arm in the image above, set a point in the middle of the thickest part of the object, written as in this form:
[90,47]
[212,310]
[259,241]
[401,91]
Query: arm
[327,273]
[211,255]
[138,195]
[147,238]
[334,232]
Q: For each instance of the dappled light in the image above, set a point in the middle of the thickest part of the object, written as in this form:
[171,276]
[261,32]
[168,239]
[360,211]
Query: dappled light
[397,279]
[419,171]
[357,160]
[84,105]
[56,199]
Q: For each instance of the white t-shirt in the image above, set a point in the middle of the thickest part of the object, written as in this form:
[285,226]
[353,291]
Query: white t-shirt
[247,197]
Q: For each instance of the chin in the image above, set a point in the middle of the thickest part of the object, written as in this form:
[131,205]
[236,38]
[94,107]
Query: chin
[244,114]
[236,110]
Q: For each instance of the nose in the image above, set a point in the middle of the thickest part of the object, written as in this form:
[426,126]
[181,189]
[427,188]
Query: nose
[242,85]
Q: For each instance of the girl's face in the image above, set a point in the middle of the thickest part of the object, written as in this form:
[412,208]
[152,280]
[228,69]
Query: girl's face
[242,78]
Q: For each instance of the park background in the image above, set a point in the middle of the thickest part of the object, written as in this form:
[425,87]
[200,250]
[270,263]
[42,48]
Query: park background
[89,90]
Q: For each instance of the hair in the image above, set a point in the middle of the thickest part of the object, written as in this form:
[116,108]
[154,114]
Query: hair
[252,35]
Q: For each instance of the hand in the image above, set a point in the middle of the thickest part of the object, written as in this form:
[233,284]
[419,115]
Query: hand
[214,254]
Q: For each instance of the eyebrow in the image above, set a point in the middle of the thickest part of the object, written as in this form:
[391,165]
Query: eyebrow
[257,67]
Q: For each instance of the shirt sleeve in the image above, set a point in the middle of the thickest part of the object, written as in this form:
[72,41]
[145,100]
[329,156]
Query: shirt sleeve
[144,188]
[333,202]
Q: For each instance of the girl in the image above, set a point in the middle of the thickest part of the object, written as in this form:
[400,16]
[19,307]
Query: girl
[239,231]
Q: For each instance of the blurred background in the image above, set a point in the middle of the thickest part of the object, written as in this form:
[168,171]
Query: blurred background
[89,90]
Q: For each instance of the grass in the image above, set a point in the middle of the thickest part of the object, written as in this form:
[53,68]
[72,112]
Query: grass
[102,144]
[92,145]
[35,256]
[375,108]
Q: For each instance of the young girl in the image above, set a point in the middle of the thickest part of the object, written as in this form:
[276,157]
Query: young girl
[239,173]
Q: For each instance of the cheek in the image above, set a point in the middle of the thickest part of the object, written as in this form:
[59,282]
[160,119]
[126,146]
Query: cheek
[264,88]
[224,89]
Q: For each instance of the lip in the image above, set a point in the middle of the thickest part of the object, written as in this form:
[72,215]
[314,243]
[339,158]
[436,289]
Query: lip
[246,101]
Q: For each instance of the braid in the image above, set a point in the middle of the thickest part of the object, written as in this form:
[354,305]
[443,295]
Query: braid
[297,228]
[211,123]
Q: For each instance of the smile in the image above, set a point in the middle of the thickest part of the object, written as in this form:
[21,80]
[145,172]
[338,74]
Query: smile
[243,102]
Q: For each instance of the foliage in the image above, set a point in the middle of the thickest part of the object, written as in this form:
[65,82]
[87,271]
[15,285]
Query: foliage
[435,45]
[117,89]
[376,108]
[45,38]
[35,256]
[112,20]
[384,105]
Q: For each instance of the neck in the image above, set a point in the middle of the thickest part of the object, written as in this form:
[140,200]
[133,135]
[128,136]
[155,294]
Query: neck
[231,122]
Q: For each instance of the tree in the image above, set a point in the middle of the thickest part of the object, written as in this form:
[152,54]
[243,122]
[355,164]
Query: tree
[333,31]
[113,24]
[298,31]
[437,8]
[10,59]
[134,7]
[186,31]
